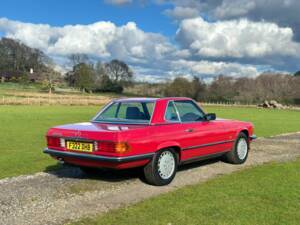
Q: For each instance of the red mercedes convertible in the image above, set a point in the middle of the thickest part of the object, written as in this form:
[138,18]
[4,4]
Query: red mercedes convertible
[158,134]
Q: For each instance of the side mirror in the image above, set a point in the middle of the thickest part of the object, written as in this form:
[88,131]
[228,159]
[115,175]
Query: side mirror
[210,116]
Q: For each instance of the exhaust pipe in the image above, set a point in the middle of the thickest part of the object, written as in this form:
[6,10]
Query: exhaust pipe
[60,160]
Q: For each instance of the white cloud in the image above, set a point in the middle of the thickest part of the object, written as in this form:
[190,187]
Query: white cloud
[234,8]
[208,68]
[180,13]
[151,55]
[188,69]
[236,38]
[101,39]
[282,12]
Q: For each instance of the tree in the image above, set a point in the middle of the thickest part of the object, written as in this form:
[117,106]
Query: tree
[297,73]
[198,89]
[119,72]
[17,57]
[179,87]
[100,75]
[274,87]
[105,84]
[221,89]
[50,76]
[245,90]
[83,76]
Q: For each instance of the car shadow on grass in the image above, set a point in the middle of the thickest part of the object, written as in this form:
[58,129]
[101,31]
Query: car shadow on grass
[110,175]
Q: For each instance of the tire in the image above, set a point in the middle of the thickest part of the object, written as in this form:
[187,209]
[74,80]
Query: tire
[239,153]
[162,168]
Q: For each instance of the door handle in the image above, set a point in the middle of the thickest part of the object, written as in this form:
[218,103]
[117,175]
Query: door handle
[189,130]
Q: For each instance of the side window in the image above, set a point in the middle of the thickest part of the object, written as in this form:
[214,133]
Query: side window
[188,111]
[171,114]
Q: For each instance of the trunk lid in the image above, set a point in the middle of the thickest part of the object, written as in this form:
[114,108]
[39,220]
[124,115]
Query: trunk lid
[92,130]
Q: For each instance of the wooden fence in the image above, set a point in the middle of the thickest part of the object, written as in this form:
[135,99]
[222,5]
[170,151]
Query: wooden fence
[34,99]
[79,100]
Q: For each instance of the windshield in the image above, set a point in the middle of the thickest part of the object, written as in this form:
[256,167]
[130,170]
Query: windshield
[127,112]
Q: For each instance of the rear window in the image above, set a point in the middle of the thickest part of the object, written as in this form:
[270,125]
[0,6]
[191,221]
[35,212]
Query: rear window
[127,112]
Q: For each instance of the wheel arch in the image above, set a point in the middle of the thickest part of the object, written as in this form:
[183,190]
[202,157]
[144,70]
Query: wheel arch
[245,131]
[174,145]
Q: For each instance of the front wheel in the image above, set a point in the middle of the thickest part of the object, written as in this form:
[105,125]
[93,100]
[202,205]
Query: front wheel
[239,153]
[162,168]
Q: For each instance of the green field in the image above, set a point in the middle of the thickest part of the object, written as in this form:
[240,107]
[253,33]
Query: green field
[266,194]
[22,130]
[267,122]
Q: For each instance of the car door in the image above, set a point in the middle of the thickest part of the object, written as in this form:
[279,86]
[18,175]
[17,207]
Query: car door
[200,137]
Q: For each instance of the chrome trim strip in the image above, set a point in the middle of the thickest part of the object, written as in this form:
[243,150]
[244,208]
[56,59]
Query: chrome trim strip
[102,110]
[203,157]
[57,153]
[150,121]
[178,115]
[207,145]
[172,121]
[122,122]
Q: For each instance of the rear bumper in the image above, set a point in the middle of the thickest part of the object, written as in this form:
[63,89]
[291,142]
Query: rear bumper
[253,137]
[98,158]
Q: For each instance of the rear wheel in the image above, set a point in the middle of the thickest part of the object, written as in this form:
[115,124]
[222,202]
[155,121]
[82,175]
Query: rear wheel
[162,168]
[239,154]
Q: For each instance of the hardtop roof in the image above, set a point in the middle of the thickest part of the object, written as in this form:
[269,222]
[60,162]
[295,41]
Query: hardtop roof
[145,99]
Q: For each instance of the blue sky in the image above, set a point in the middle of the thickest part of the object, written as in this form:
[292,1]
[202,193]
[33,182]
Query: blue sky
[63,12]
[162,39]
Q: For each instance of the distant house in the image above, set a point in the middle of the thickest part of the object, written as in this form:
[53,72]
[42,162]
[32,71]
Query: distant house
[10,76]
[6,76]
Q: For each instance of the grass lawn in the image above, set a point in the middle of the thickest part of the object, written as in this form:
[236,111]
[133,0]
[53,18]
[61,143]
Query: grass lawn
[267,122]
[22,130]
[266,194]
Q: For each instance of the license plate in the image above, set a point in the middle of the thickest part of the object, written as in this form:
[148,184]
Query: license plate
[79,146]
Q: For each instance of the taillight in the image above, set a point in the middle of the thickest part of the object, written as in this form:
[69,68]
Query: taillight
[122,147]
[106,146]
[53,141]
[115,147]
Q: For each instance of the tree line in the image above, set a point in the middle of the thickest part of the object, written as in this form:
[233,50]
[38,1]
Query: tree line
[284,88]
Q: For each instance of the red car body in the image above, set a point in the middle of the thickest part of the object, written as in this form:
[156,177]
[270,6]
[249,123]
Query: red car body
[133,145]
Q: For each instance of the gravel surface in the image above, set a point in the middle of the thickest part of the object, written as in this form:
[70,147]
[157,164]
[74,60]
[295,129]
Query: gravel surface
[68,194]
